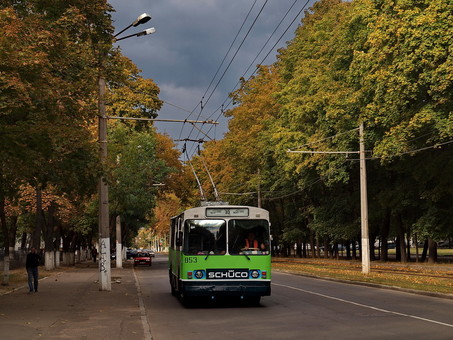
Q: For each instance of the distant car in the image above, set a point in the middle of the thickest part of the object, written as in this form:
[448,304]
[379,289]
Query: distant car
[142,259]
[131,253]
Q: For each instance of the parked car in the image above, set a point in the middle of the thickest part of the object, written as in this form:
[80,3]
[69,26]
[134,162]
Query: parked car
[142,258]
[131,253]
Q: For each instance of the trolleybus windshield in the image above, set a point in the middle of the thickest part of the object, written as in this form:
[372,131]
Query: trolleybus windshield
[205,237]
[249,237]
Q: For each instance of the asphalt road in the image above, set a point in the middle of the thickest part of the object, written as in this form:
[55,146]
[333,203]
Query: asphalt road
[299,308]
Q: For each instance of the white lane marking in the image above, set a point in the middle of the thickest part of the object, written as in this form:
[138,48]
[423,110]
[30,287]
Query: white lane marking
[144,318]
[365,306]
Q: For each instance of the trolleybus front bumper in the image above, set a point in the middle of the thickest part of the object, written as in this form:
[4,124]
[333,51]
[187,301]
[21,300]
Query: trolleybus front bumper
[226,288]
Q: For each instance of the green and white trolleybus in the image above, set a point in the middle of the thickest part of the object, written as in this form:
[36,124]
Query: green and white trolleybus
[220,250]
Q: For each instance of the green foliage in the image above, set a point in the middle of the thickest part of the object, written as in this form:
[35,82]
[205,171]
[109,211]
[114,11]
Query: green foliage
[135,168]
[387,64]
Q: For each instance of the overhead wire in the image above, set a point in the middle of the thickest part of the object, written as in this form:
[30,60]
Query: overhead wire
[232,59]
[229,49]
[407,152]
[267,54]
[262,61]
[223,60]
[272,48]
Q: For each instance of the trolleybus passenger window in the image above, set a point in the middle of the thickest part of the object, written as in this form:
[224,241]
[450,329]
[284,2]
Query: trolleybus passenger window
[250,237]
[205,237]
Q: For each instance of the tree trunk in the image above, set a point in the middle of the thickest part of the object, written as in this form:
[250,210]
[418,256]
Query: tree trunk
[12,231]
[318,248]
[416,247]
[401,244]
[425,251]
[384,236]
[48,231]
[36,236]
[299,249]
[312,244]
[432,251]
[23,241]
[354,250]
[6,239]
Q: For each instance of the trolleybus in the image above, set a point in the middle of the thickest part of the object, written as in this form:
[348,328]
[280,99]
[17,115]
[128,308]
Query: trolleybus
[220,250]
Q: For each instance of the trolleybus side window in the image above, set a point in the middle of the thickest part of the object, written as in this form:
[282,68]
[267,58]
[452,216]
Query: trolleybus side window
[205,237]
[248,237]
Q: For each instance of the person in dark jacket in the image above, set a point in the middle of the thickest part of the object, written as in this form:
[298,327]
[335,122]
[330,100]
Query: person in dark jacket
[31,265]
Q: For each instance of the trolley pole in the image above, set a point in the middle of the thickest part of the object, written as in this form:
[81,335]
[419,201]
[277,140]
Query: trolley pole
[364,206]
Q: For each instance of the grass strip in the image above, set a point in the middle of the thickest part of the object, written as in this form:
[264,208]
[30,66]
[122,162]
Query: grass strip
[434,279]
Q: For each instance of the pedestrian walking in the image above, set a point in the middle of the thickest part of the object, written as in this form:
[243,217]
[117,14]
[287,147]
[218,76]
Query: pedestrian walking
[31,265]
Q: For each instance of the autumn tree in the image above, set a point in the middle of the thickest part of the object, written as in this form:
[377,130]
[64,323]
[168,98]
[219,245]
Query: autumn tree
[47,88]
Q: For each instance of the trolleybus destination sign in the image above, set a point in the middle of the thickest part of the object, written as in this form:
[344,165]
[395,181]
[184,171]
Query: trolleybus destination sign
[225,212]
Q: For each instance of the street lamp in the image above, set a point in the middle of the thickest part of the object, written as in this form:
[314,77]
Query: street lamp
[143,18]
[104,231]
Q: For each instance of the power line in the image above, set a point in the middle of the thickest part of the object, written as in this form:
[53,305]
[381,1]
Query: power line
[408,152]
[237,50]
[231,60]
[270,50]
[229,49]
[262,61]
[327,138]
[224,58]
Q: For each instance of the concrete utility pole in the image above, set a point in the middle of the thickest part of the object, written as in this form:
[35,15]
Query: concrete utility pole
[119,246]
[364,206]
[104,231]
[103,189]
[365,239]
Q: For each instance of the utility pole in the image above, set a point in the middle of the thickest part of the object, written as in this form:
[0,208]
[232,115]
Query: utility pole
[365,239]
[119,247]
[104,231]
[364,206]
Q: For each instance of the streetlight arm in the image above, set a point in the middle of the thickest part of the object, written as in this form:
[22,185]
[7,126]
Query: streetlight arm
[145,32]
[122,30]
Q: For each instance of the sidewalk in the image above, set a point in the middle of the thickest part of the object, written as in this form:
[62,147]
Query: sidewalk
[69,305]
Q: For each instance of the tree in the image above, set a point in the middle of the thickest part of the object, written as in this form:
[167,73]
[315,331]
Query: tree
[46,88]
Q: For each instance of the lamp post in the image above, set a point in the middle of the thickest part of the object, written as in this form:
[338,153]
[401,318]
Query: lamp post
[104,231]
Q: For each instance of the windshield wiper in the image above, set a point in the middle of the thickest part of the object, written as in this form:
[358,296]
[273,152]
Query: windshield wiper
[248,258]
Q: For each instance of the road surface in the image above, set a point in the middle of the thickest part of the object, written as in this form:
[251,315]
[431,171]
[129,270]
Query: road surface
[299,308]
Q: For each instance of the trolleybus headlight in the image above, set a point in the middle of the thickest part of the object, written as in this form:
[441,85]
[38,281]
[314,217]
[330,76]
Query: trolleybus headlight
[255,274]
[199,274]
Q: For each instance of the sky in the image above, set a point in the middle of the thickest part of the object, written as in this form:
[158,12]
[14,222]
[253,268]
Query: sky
[192,38]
